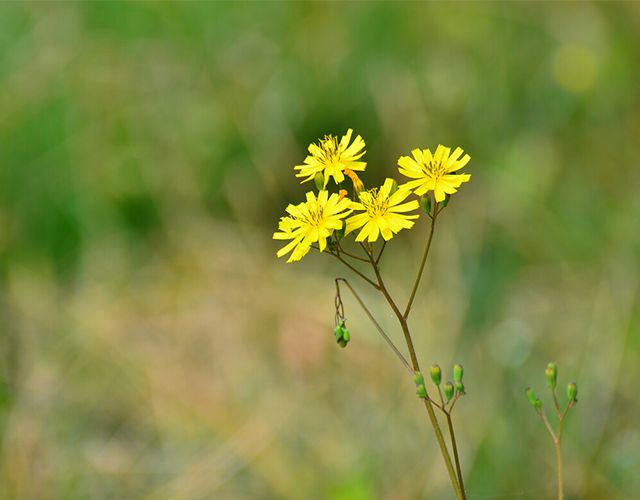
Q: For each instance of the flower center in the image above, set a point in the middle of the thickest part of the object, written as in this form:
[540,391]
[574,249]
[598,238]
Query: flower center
[375,203]
[436,169]
[316,216]
[331,152]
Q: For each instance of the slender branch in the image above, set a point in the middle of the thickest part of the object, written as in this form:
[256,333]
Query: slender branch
[342,250]
[559,467]
[372,283]
[376,324]
[555,402]
[454,447]
[441,398]
[384,245]
[544,418]
[422,263]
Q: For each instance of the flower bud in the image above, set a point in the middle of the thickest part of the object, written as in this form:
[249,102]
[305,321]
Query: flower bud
[572,392]
[533,398]
[459,386]
[425,203]
[418,378]
[319,181]
[338,234]
[448,391]
[342,343]
[345,334]
[421,391]
[552,375]
[436,374]
[458,371]
[338,331]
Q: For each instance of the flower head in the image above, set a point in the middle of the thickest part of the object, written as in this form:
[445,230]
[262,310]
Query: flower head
[309,222]
[382,212]
[433,172]
[331,158]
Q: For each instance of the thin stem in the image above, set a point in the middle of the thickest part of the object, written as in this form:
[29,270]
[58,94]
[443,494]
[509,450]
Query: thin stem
[544,418]
[384,245]
[422,264]
[555,402]
[343,251]
[460,494]
[557,445]
[373,284]
[454,447]
[559,469]
[376,324]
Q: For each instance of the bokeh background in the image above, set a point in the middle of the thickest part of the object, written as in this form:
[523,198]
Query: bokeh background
[152,346]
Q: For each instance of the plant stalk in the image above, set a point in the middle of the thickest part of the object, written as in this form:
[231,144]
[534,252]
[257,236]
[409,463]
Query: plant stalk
[460,494]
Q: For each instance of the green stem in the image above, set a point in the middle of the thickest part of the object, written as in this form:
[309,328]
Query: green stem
[454,447]
[422,264]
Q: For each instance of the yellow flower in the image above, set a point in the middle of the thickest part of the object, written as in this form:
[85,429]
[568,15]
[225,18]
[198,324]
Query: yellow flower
[331,158]
[382,212]
[432,172]
[310,222]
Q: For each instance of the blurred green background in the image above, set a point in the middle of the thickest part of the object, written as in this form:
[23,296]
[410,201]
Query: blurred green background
[152,346]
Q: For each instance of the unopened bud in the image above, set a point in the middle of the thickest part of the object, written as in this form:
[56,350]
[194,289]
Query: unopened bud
[458,371]
[418,378]
[338,332]
[342,343]
[421,391]
[459,386]
[572,392]
[319,181]
[448,391]
[533,398]
[436,374]
[425,203]
[551,373]
[345,334]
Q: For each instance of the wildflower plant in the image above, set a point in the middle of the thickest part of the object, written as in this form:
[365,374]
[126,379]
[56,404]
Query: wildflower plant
[353,224]
[551,374]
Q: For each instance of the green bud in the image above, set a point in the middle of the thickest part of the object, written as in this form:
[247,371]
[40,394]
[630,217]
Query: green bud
[552,375]
[345,334]
[418,378]
[572,392]
[459,386]
[394,187]
[319,181]
[448,390]
[445,202]
[338,332]
[458,371]
[533,398]
[421,391]
[338,234]
[436,374]
[425,203]
[342,343]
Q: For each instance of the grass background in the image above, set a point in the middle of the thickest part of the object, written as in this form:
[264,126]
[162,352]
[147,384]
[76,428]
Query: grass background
[153,347]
